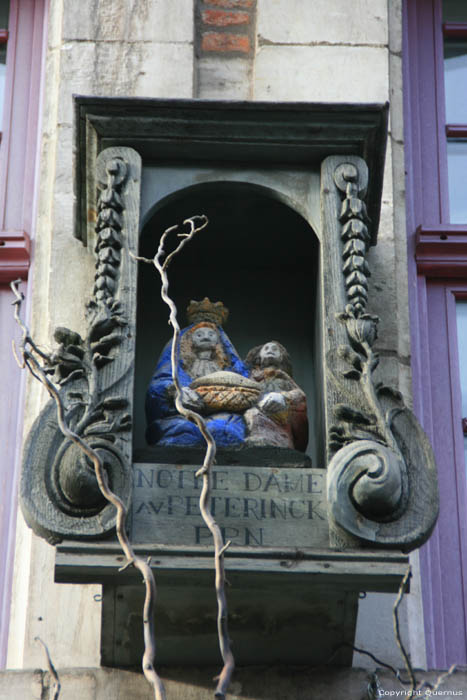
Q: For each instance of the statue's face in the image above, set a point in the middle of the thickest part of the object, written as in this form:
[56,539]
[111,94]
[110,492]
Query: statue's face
[270,353]
[204,338]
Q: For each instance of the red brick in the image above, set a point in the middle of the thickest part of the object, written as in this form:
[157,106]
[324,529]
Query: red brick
[223,18]
[217,41]
[230,3]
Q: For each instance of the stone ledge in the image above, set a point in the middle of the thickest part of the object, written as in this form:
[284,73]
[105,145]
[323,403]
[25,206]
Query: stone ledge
[254,683]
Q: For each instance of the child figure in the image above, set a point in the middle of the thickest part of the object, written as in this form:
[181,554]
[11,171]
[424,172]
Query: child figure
[279,418]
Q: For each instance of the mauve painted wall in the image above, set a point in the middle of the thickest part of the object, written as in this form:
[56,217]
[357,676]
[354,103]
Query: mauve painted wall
[436,401]
[10,430]
[18,194]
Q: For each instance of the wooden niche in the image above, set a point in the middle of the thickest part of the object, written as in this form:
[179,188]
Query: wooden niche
[292,193]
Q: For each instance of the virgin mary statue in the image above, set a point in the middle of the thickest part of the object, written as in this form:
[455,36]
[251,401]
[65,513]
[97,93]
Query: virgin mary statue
[204,351]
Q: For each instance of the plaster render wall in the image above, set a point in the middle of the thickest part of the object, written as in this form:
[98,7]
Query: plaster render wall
[332,52]
[95,47]
[325,50]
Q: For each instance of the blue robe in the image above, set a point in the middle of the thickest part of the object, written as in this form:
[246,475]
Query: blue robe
[166,427]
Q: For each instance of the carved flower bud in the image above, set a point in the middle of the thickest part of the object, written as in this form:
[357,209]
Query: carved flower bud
[110,198]
[354,246]
[109,255]
[108,217]
[355,229]
[353,207]
[108,237]
[362,329]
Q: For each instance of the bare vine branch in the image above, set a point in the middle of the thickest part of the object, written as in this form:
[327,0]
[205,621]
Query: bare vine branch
[374,689]
[365,653]
[452,669]
[395,614]
[161,261]
[29,353]
[415,687]
[52,669]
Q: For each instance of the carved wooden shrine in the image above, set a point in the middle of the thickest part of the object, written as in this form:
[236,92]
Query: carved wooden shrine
[305,539]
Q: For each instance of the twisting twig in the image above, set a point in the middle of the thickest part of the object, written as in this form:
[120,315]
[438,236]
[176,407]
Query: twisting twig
[452,669]
[442,678]
[358,650]
[415,687]
[374,688]
[395,614]
[161,261]
[52,670]
[29,352]
[439,681]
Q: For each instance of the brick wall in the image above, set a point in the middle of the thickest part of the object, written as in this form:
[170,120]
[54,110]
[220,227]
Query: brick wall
[225,47]
[226,27]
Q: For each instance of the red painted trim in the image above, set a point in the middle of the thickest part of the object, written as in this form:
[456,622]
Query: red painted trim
[15,249]
[441,251]
[441,230]
[455,30]
[456,131]
[20,134]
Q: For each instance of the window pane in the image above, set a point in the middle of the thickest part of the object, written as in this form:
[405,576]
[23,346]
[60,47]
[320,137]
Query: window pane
[4,12]
[457,180]
[454,11]
[455,75]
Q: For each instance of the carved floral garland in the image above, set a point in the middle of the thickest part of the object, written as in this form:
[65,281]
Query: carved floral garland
[78,364]
[373,468]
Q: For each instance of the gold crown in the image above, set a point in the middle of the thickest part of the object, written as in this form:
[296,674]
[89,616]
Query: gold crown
[206,310]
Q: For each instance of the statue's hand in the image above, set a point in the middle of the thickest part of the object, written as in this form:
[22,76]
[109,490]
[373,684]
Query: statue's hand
[272,403]
[190,399]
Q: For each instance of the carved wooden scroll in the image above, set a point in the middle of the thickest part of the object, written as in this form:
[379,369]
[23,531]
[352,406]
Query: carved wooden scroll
[382,484]
[59,492]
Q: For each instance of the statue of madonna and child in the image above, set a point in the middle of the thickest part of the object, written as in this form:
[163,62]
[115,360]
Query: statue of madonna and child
[254,402]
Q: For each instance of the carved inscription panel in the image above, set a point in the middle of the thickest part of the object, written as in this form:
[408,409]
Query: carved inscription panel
[255,506]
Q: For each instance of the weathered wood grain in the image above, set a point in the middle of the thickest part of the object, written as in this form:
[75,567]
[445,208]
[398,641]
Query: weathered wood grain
[382,485]
[256,506]
[58,490]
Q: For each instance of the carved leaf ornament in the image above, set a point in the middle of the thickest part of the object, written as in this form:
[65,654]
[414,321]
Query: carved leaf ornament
[65,500]
[382,478]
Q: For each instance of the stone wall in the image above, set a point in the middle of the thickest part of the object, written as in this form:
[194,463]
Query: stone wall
[285,50]
[95,47]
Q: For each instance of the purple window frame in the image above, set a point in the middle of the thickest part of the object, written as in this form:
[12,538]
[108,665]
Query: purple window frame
[437,261]
[445,557]
[19,157]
